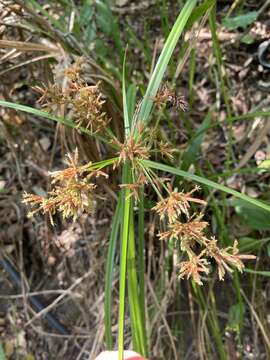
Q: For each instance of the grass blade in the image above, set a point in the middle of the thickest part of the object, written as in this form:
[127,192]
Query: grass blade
[134,301]
[109,274]
[262,273]
[123,265]
[199,12]
[40,113]
[199,179]
[52,19]
[46,115]
[2,354]
[125,104]
[141,261]
[164,59]
[131,100]
[250,115]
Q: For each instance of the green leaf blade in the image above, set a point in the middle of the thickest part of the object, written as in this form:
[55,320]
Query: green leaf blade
[241,21]
[164,58]
[210,183]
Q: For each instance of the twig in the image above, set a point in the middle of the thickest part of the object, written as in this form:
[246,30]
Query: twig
[163,318]
[59,298]
[256,144]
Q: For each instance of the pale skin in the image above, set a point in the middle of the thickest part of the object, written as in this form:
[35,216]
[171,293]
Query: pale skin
[113,355]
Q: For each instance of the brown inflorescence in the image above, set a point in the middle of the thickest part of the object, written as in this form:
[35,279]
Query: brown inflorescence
[73,192]
[136,147]
[169,98]
[85,101]
[176,204]
[189,231]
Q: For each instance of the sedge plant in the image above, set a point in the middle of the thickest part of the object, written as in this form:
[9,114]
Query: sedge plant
[75,188]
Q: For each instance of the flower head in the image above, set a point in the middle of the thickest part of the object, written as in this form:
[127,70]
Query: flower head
[51,96]
[73,73]
[187,233]
[193,267]
[166,150]
[193,229]
[87,104]
[176,204]
[135,147]
[85,101]
[73,192]
[74,199]
[226,258]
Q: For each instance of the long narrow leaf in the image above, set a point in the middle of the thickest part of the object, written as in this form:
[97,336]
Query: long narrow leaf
[44,114]
[164,59]
[141,261]
[40,113]
[250,115]
[123,266]
[199,179]
[199,12]
[109,275]
[262,273]
[131,100]
[125,105]
[2,354]
[134,301]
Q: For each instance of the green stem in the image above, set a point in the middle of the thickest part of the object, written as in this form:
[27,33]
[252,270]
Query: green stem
[222,79]
[137,325]
[141,261]
[109,274]
[123,266]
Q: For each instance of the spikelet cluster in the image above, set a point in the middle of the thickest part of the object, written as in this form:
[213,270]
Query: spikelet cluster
[85,101]
[189,231]
[167,97]
[136,147]
[73,191]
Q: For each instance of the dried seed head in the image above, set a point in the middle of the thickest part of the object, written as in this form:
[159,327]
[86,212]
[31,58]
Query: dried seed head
[72,172]
[72,194]
[51,96]
[40,204]
[191,238]
[74,199]
[134,148]
[73,73]
[166,150]
[190,230]
[225,258]
[193,267]
[175,204]
[168,97]
[87,104]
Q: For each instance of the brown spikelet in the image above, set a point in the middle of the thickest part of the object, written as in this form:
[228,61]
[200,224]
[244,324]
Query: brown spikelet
[168,97]
[176,204]
[87,104]
[134,148]
[83,100]
[193,267]
[191,229]
[51,96]
[73,73]
[226,258]
[166,150]
[73,192]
